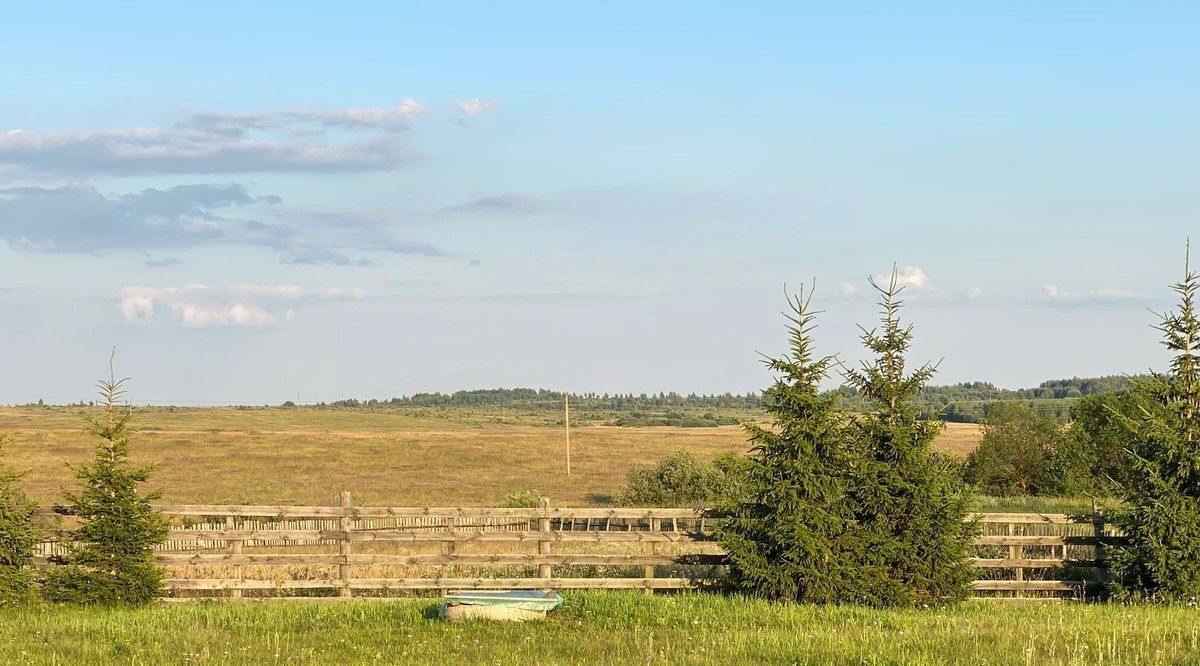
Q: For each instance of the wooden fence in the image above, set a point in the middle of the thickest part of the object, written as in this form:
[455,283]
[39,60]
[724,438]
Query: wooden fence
[347,550]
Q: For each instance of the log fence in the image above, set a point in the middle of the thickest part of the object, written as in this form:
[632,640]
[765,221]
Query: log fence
[348,551]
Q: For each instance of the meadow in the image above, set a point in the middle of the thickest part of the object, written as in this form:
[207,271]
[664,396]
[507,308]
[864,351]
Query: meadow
[397,457]
[603,628]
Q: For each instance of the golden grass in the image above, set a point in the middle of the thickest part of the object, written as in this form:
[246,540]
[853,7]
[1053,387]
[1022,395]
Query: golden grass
[400,458]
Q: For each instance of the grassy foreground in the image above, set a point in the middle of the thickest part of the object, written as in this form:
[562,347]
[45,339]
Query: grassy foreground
[599,627]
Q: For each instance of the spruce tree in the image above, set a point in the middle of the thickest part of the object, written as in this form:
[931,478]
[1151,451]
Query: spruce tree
[789,534]
[19,535]
[109,560]
[1160,512]
[909,501]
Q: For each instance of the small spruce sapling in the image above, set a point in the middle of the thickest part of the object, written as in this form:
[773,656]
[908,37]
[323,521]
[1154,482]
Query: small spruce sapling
[789,533]
[110,560]
[910,501]
[1160,511]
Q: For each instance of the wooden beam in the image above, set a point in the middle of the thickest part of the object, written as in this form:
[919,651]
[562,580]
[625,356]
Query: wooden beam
[1029,585]
[433,583]
[511,559]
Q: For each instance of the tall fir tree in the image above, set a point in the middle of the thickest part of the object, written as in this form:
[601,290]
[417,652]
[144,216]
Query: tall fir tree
[19,535]
[1160,512]
[789,535]
[110,560]
[909,501]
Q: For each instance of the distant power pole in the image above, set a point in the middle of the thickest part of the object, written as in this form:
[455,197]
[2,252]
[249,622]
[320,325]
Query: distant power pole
[567,421]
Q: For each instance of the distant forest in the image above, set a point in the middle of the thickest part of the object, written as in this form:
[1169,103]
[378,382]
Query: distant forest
[966,403]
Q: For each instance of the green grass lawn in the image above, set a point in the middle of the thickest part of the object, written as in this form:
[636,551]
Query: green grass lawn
[598,627]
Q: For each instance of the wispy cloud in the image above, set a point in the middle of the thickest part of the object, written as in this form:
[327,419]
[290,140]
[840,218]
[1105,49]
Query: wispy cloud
[81,220]
[162,263]
[474,107]
[1052,294]
[131,152]
[213,142]
[305,122]
[200,305]
[504,204]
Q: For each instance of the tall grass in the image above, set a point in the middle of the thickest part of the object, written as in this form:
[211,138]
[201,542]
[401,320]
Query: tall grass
[602,627]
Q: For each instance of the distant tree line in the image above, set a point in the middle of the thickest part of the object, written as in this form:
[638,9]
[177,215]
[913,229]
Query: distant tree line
[968,402]
[542,399]
[971,402]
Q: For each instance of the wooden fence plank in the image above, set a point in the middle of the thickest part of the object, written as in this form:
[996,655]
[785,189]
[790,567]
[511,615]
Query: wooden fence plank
[1030,585]
[531,536]
[433,583]
[1008,563]
[510,559]
[280,512]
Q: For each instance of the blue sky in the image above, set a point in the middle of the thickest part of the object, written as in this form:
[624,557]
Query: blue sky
[254,202]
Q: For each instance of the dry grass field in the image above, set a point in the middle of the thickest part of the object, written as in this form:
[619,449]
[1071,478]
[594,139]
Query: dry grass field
[398,458]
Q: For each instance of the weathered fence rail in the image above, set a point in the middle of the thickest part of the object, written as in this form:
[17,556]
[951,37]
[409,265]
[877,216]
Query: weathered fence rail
[352,550]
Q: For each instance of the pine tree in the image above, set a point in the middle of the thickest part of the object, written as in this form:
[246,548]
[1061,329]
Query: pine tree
[909,501]
[19,535]
[789,535]
[110,559]
[1160,513]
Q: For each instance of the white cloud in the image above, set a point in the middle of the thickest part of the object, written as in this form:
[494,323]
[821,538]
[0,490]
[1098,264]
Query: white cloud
[198,305]
[1053,294]
[475,107]
[973,293]
[912,277]
[847,290]
[313,121]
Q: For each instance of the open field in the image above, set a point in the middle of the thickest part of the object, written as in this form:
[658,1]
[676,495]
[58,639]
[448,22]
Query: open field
[399,458]
[602,627]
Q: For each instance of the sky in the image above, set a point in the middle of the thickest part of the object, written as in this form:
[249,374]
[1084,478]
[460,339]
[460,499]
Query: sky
[256,202]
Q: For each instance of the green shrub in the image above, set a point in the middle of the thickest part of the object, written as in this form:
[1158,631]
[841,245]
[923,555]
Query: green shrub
[1092,458]
[110,560]
[1016,454]
[522,499]
[1160,512]
[19,536]
[680,480]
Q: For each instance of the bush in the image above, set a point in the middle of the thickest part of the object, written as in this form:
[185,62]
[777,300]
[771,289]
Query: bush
[679,480]
[1016,454]
[19,535]
[110,560]
[1092,457]
[522,499]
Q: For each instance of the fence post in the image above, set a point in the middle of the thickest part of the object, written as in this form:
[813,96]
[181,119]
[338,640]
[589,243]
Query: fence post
[1015,551]
[1098,532]
[235,548]
[449,548]
[544,570]
[648,570]
[344,547]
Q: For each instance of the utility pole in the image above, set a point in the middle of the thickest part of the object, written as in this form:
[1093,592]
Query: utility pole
[567,421]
